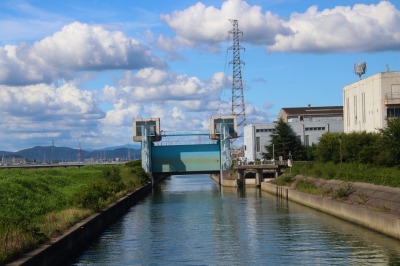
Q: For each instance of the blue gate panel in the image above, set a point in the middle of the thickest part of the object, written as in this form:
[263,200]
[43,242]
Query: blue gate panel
[185,158]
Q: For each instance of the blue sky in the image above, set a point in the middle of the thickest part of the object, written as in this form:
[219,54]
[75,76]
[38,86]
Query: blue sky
[79,71]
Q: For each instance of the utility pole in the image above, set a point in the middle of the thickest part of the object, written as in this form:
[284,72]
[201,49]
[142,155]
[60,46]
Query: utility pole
[79,151]
[52,151]
[238,106]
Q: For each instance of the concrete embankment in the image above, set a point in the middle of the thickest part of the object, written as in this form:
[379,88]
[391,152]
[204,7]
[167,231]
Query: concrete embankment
[61,250]
[378,221]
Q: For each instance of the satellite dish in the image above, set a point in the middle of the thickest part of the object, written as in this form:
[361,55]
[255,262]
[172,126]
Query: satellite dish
[360,69]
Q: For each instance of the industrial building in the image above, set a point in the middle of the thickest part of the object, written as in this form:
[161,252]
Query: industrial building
[368,102]
[309,123]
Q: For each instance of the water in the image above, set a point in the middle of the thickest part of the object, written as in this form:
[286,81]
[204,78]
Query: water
[189,220]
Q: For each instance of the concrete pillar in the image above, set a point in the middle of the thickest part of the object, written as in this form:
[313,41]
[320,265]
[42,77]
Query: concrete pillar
[259,177]
[277,172]
[241,177]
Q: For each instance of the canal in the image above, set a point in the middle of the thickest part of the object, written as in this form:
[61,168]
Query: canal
[190,220]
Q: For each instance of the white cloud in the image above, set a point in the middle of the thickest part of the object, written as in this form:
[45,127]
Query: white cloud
[37,112]
[122,114]
[180,101]
[85,47]
[77,47]
[361,28]
[47,100]
[200,25]
[154,85]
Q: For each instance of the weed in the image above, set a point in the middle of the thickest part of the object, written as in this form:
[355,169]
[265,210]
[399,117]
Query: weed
[386,207]
[284,180]
[327,191]
[307,186]
[55,223]
[363,198]
[343,192]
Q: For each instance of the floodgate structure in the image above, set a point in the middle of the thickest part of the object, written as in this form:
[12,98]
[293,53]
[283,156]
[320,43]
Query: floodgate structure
[161,158]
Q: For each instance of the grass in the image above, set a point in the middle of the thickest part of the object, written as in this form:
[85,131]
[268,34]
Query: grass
[350,172]
[37,204]
[284,180]
[308,186]
[343,192]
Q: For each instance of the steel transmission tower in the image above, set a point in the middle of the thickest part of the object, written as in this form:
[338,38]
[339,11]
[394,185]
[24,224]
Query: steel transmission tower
[238,107]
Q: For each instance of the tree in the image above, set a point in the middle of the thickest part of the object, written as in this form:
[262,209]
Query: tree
[354,147]
[329,147]
[389,153]
[283,141]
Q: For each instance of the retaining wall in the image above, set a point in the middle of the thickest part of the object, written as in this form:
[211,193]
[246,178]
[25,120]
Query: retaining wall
[61,250]
[380,222]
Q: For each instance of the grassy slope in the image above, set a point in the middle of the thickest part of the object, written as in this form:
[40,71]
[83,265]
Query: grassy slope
[385,176]
[36,204]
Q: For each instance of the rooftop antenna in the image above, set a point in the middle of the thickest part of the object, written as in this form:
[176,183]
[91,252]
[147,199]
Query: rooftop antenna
[238,107]
[360,69]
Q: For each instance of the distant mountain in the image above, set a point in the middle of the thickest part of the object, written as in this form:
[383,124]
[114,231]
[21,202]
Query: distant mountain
[128,146]
[64,154]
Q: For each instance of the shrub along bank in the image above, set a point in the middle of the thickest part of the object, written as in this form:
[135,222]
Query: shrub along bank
[37,204]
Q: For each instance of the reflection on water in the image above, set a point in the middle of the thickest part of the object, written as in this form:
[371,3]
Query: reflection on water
[189,220]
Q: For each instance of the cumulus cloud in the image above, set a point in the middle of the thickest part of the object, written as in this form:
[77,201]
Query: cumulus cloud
[152,85]
[47,100]
[358,28]
[42,111]
[361,28]
[77,47]
[121,114]
[181,102]
[200,25]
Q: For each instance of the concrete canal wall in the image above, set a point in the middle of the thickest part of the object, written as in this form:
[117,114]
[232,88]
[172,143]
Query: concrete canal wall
[61,250]
[378,221]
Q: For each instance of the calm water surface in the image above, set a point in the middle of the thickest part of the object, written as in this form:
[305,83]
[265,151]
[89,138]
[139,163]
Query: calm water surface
[189,220]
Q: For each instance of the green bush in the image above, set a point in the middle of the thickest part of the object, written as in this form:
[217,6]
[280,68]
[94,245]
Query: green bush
[343,192]
[134,164]
[135,168]
[284,180]
[112,174]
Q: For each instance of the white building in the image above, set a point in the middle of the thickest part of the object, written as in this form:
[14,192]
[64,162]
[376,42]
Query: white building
[309,123]
[367,102]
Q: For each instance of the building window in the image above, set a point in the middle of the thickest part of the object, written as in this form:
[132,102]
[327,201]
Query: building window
[314,129]
[264,130]
[258,148]
[307,140]
[393,112]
